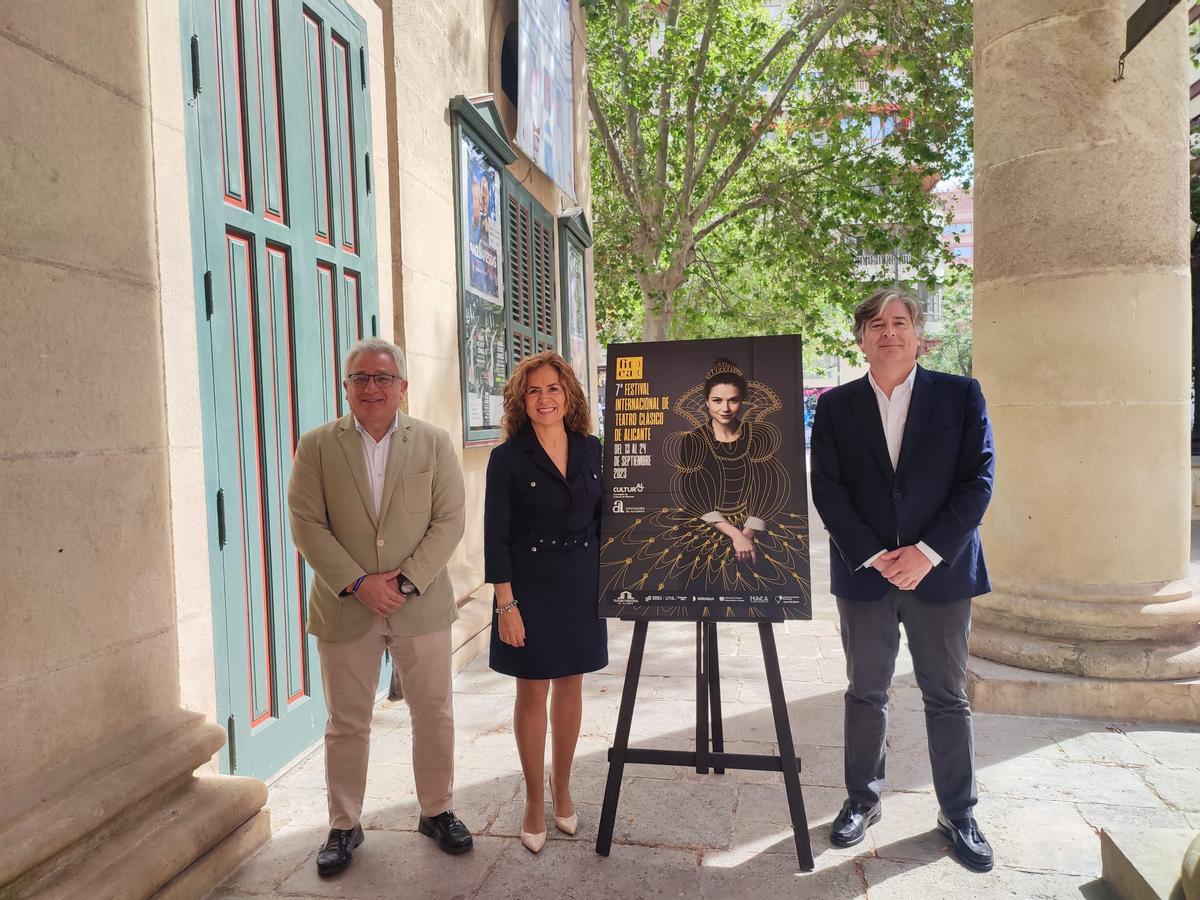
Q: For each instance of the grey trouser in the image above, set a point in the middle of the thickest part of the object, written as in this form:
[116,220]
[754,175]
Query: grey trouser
[937,637]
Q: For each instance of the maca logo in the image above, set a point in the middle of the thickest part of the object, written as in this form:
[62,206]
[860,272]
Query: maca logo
[759,598]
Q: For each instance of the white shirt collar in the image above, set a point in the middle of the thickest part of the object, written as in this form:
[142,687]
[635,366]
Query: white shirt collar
[358,426]
[907,383]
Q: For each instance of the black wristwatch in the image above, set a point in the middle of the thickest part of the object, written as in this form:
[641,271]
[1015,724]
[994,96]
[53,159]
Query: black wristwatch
[406,586]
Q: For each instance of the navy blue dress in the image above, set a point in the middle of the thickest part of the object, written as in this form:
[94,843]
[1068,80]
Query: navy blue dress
[540,532]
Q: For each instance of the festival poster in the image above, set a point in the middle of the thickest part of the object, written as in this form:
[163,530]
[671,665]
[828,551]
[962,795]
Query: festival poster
[576,343]
[485,258]
[706,507]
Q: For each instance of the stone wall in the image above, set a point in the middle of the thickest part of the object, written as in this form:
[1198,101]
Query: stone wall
[88,643]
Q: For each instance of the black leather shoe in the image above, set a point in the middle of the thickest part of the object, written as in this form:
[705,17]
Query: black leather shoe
[851,824]
[449,831]
[337,851]
[970,846]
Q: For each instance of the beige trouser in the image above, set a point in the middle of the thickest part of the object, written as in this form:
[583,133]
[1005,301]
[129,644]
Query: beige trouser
[350,670]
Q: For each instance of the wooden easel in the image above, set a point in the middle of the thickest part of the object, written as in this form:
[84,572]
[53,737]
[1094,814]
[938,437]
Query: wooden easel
[708,709]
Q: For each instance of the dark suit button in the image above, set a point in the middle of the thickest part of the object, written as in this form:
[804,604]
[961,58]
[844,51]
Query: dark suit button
[897,495]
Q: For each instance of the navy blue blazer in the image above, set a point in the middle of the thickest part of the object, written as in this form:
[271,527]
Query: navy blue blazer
[527,497]
[937,493]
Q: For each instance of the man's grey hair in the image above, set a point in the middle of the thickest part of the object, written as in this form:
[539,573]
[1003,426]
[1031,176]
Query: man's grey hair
[376,345]
[873,306]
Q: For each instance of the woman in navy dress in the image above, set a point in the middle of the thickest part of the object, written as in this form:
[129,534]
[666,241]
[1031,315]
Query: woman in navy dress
[541,551]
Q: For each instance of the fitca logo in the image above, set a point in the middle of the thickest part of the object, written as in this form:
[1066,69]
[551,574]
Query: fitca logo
[629,368]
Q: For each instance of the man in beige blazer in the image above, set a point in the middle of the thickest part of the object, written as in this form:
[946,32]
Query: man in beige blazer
[377,507]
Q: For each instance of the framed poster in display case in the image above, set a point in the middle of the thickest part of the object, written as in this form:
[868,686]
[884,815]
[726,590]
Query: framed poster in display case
[480,154]
[574,237]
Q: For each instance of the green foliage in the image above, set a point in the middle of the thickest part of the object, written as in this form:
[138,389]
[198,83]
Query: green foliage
[734,179]
[951,350]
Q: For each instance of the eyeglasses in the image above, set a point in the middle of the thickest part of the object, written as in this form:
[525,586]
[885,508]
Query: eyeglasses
[362,379]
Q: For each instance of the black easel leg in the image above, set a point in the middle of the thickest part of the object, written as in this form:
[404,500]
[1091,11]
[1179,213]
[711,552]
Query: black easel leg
[702,664]
[787,751]
[616,755]
[714,693]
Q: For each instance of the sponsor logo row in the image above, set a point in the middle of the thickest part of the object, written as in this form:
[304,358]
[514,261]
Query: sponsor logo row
[625,598]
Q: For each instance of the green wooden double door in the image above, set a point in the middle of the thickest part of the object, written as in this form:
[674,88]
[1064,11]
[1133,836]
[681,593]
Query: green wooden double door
[283,214]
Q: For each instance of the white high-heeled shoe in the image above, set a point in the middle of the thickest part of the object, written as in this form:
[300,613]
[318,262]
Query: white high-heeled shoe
[534,841]
[565,824]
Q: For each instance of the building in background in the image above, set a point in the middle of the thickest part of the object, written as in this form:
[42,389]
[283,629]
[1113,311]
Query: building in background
[959,234]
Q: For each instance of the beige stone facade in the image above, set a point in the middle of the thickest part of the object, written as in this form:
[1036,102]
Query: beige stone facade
[107,649]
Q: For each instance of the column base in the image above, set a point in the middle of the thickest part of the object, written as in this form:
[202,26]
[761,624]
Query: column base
[997,688]
[199,879]
[1191,870]
[1145,864]
[1151,659]
[128,819]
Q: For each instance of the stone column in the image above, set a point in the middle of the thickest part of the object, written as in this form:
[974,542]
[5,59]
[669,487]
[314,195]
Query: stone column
[97,756]
[1082,330]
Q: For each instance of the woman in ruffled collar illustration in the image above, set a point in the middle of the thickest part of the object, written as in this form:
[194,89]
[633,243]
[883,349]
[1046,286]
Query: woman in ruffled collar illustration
[726,471]
[727,527]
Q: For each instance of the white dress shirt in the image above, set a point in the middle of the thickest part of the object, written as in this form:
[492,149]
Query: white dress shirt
[375,453]
[894,413]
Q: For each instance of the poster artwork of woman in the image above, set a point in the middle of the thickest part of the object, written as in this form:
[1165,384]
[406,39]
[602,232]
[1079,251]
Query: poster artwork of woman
[726,472]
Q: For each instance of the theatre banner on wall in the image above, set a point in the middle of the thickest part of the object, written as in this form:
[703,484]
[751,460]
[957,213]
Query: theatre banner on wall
[545,89]
[695,476]
[484,323]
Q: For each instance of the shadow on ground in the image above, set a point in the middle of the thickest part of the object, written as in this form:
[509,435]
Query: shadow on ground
[1046,788]
[1046,785]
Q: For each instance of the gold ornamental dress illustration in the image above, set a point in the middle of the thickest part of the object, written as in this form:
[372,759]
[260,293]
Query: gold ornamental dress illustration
[676,553]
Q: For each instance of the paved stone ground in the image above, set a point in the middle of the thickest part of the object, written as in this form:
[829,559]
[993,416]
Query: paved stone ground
[1046,786]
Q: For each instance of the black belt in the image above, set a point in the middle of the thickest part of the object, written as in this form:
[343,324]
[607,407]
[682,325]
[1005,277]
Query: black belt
[556,543]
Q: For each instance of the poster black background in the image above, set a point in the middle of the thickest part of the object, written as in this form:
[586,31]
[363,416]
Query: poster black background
[636,531]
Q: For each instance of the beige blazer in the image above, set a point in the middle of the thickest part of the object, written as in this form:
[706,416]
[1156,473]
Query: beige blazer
[335,528]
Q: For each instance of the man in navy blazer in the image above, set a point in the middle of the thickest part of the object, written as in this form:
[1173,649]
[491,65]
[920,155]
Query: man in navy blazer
[902,465]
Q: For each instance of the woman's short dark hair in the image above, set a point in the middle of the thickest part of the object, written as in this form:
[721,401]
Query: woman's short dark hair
[724,371]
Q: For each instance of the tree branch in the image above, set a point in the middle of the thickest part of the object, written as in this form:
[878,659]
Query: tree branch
[620,170]
[632,126]
[773,110]
[758,202]
[664,111]
[714,282]
[689,162]
[751,79]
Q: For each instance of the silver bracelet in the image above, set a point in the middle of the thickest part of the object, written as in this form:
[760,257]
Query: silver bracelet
[501,610]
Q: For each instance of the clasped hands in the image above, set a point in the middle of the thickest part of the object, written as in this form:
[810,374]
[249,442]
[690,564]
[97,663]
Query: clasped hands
[743,546]
[381,593]
[904,567]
